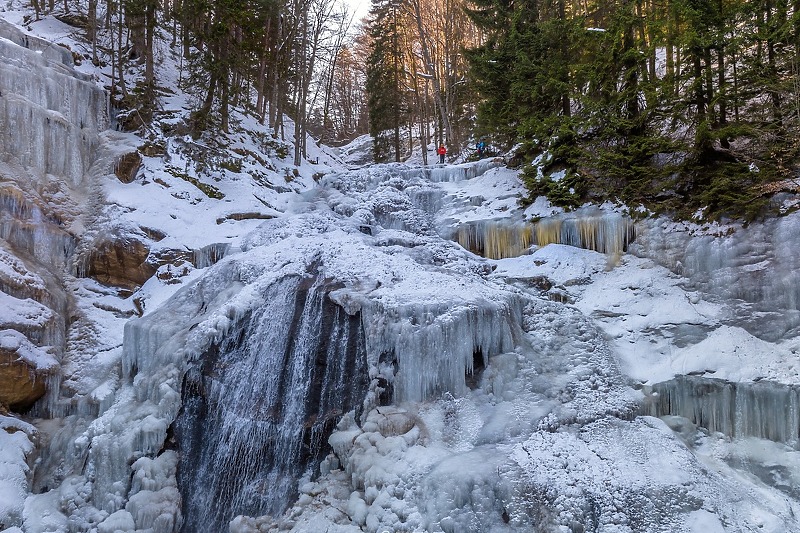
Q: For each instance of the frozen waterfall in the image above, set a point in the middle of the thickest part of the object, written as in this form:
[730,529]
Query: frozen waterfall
[756,268]
[50,115]
[762,409]
[608,233]
[259,405]
[356,364]
[50,119]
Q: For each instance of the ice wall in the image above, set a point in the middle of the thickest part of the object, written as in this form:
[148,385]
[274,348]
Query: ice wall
[427,350]
[259,405]
[50,114]
[496,239]
[50,119]
[33,229]
[757,265]
[608,233]
[763,409]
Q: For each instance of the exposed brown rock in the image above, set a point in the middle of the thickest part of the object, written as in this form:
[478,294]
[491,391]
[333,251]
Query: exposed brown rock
[128,166]
[789,185]
[20,383]
[120,263]
[245,216]
[153,149]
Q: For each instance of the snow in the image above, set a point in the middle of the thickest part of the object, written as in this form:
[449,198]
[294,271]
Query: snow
[15,273]
[15,445]
[22,313]
[34,356]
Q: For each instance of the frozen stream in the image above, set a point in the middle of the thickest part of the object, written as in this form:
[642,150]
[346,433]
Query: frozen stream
[349,369]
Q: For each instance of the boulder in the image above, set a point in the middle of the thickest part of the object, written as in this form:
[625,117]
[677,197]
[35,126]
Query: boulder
[120,262]
[128,166]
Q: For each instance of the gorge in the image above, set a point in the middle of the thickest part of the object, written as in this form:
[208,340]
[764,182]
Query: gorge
[386,348]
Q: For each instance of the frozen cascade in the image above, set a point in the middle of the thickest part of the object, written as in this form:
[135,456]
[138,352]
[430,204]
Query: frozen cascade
[32,231]
[452,173]
[50,118]
[414,345]
[496,239]
[428,349]
[50,115]
[510,413]
[762,409]
[368,177]
[260,404]
[758,266]
[208,255]
[608,233]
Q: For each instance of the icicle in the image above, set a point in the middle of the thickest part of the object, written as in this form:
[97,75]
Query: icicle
[50,115]
[434,346]
[27,228]
[763,409]
[209,255]
[498,239]
[759,264]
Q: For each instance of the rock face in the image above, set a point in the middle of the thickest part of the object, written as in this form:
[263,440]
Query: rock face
[120,262]
[19,386]
[24,370]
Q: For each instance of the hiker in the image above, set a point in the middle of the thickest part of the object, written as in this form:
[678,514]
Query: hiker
[481,146]
[442,151]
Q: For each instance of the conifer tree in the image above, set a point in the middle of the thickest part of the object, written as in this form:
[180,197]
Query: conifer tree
[385,98]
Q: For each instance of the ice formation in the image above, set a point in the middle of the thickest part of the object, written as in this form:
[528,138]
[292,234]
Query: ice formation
[608,233]
[756,266]
[50,115]
[257,405]
[763,409]
[328,320]
[475,395]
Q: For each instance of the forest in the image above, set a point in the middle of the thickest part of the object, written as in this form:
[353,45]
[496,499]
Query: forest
[674,105]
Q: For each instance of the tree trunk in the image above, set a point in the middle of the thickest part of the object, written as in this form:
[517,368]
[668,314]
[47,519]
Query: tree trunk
[709,79]
[670,45]
[774,95]
[431,71]
[262,73]
[120,63]
[722,93]
[92,29]
[149,67]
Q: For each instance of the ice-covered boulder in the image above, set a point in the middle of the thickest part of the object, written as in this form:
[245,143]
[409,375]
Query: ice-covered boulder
[16,443]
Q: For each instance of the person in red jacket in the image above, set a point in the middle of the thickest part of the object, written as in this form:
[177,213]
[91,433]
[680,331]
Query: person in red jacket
[442,151]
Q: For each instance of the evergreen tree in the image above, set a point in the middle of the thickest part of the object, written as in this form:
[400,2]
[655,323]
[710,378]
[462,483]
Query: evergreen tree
[385,98]
[583,83]
[523,69]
